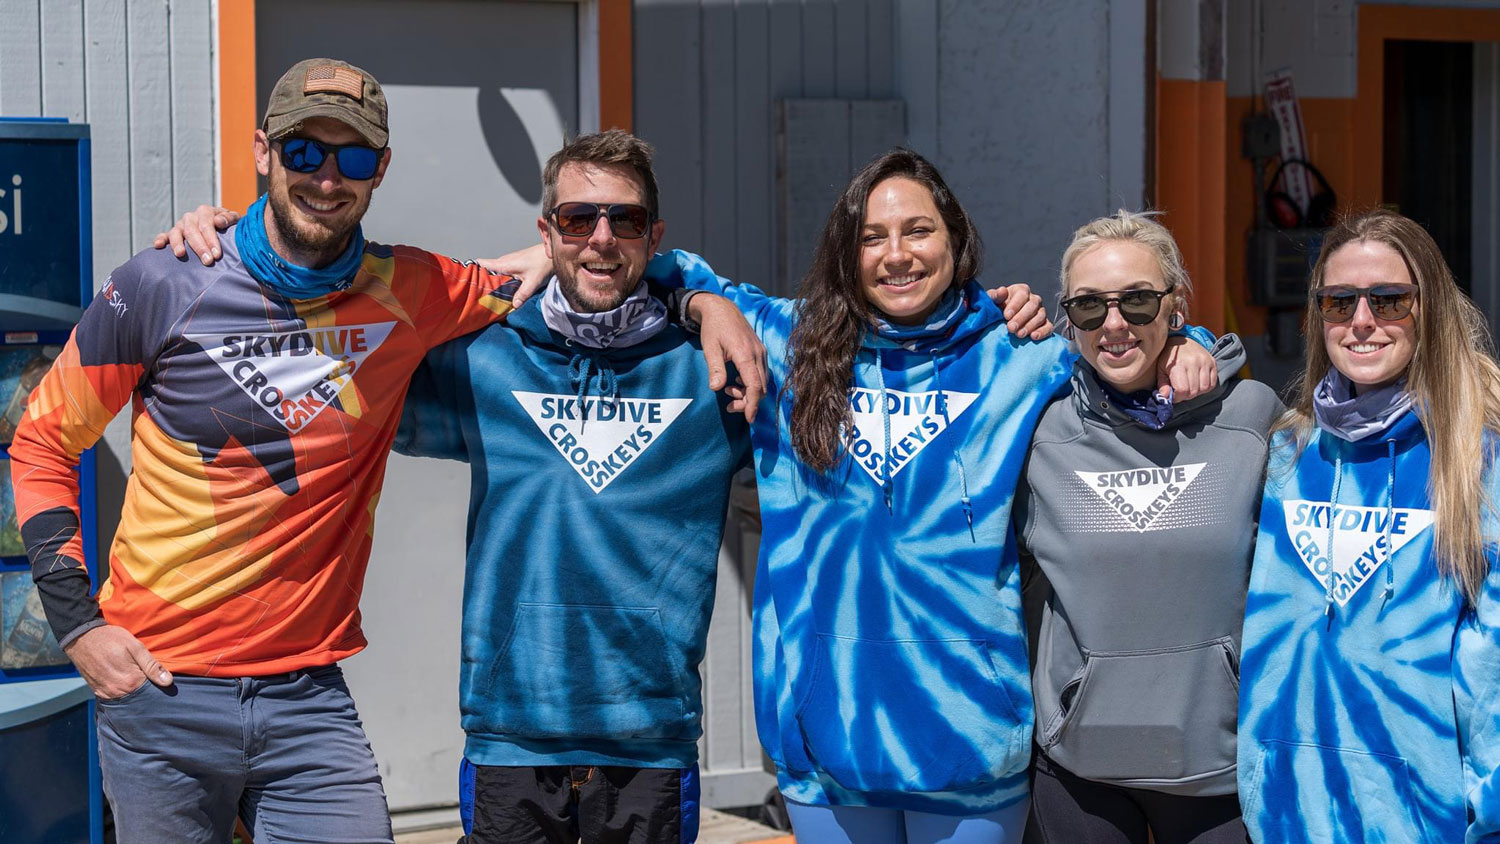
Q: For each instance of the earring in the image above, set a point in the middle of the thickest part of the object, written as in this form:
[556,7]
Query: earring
[1176,320]
[1067,329]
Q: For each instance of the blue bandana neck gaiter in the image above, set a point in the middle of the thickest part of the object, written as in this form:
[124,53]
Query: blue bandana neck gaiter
[284,277]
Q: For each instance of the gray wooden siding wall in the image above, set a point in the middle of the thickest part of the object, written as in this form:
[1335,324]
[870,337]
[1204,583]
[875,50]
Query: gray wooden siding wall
[709,75]
[141,73]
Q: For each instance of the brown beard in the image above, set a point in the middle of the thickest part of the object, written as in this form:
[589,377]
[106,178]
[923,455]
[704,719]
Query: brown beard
[327,244]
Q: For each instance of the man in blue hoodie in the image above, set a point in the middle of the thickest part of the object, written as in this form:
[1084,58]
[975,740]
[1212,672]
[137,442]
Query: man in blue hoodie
[601,462]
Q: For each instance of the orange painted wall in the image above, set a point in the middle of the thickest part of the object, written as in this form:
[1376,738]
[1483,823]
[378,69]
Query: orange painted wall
[237,97]
[1190,185]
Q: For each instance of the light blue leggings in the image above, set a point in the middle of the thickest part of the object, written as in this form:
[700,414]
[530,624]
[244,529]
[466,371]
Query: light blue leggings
[864,825]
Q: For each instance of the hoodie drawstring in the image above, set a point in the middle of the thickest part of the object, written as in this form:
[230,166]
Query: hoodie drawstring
[604,379]
[1390,518]
[963,476]
[1338,477]
[886,486]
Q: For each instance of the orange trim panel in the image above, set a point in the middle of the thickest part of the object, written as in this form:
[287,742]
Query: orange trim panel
[616,74]
[237,103]
[1191,161]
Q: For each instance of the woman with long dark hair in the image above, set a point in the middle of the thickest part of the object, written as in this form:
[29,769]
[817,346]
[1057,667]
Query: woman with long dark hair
[892,687]
[1377,534]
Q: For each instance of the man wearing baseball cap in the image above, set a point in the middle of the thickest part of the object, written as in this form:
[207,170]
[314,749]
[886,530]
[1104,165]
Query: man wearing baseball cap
[266,392]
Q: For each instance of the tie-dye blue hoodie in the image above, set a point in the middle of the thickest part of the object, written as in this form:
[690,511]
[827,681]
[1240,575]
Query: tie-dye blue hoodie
[1476,693]
[1348,730]
[890,653]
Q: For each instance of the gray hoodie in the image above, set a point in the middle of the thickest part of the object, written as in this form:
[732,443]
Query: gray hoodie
[1146,539]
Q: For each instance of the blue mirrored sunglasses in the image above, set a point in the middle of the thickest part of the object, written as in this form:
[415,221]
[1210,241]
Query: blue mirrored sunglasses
[355,161]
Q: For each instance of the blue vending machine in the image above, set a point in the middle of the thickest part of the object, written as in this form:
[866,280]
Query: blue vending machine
[49,773]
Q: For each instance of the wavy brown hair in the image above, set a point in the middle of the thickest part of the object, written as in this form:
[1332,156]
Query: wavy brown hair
[1453,379]
[833,313]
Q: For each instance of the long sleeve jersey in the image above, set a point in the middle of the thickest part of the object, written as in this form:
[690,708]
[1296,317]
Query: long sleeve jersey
[260,427]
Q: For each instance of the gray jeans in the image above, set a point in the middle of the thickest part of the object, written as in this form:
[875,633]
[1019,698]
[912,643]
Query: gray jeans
[287,753]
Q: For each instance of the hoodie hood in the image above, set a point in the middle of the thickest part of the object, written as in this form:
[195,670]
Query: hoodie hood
[1092,400]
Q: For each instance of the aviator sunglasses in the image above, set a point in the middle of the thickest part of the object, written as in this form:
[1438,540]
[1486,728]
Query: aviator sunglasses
[1337,303]
[1137,307]
[577,219]
[355,161]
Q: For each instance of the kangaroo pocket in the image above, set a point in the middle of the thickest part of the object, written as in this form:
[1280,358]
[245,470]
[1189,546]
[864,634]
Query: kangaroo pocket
[1308,792]
[1163,715]
[572,671]
[910,716]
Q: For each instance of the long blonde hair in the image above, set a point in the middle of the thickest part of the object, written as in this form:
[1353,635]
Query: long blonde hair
[1453,379]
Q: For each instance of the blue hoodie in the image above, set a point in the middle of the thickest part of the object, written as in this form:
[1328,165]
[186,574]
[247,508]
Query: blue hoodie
[890,652]
[1476,693]
[593,540]
[1347,728]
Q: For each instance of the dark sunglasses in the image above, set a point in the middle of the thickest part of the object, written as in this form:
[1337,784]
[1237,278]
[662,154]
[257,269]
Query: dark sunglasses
[355,161]
[1137,307]
[1337,303]
[577,219]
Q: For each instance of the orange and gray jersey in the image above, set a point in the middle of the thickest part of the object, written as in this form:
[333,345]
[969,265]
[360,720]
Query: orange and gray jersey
[260,429]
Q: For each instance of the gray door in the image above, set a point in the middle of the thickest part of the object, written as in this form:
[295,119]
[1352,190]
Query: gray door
[480,94]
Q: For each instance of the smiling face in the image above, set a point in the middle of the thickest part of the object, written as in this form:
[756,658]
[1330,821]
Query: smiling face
[905,256]
[1369,351]
[1122,354]
[597,272]
[312,215]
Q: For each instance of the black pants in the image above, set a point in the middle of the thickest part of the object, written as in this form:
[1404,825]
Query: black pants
[1066,809]
[561,804]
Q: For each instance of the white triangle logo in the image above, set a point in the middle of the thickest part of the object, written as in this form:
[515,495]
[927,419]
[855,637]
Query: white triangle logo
[601,437]
[1141,495]
[1359,540]
[916,420]
[294,375]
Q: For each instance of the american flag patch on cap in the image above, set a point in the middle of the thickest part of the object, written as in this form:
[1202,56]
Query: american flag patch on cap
[338,80]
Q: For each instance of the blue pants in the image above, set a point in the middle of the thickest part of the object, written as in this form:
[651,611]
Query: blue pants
[287,753]
[864,825]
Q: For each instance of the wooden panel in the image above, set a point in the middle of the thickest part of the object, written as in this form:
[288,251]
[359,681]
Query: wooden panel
[875,126]
[107,88]
[880,52]
[754,163]
[192,100]
[20,58]
[62,59]
[149,68]
[667,47]
[851,77]
[819,40]
[784,18]
[813,152]
[720,154]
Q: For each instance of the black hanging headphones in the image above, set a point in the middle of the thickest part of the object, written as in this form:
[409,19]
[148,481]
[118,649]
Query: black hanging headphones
[1283,211]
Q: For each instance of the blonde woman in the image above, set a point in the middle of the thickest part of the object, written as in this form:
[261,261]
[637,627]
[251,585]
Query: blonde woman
[1375,541]
[1141,513]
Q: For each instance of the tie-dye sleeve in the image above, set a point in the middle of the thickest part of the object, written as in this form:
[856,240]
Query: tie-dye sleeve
[680,268]
[91,380]
[1476,695]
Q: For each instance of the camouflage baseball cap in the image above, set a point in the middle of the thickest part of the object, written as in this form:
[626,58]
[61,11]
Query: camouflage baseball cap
[327,88]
